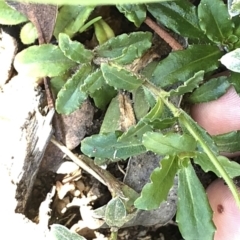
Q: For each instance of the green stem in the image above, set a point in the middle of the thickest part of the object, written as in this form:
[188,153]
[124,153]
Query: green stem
[212,157]
[114,234]
[180,115]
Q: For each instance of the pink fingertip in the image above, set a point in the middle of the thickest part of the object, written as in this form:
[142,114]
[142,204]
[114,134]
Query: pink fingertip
[226,214]
[219,116]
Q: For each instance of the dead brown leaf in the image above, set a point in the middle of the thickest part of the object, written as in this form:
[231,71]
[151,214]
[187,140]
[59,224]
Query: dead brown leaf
[43,16]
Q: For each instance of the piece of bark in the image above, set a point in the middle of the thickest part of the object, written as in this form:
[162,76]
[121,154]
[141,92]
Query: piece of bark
[24,134]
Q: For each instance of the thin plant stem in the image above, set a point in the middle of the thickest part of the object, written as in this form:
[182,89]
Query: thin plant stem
[87,164]
[163,34]
[180,115]
[213,159]
[114,235]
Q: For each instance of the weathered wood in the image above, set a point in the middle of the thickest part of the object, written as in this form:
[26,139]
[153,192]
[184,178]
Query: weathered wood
[24,135]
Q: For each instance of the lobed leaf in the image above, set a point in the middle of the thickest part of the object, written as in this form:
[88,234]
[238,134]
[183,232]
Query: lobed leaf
[41,61]
[93,82]
[193,210]
[171,143]
[119,78]
[163,123]
[179,16]
[74,50]
[211,90]
[106,146]
[70,97]
[124,48]
[231,167]
[189,85]
[96,87]
[134,134]
[162,180]
[181,65]
[135,13]
[228,142]
[70,18]
[214,20]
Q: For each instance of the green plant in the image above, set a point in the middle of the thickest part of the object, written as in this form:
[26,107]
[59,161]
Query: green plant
[102,72]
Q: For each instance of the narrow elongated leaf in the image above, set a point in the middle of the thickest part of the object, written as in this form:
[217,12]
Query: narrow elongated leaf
[70,96]
[124,48]
[60,232]
[194,215]
[156,111]
[181,65]
[106,146]
[41,61]
[111,118]
[232,60]
[211,90]
[9,16]
[228,142]
[135,133]
[115,213]
[232,168]
[214,20]
[149,97]
[103,31]
[189,85]
[135,13]
[93,82]
[161,181]
[74,50]
[180,16]
[169,143]
[163,123]
[140,105]
[120,78]
[71,18]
